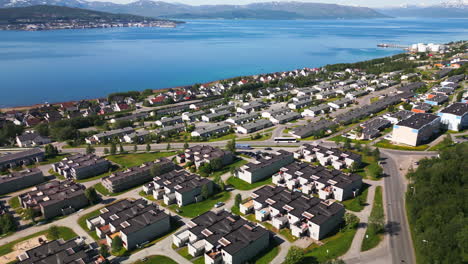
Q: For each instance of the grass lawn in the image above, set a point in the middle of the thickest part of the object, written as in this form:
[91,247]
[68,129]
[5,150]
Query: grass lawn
[64,232]
[262,138]
[386,144]
[156,259]
[196,209]
[147,196]
[102,190]
[200,260]
[372,239]
[14,202]
[225,137]
[337,245]
[243,185]
[357,204]
[236,164]
[184,253]
[136,159]
[340,138]
[52,172]
[366,162]
[442,145]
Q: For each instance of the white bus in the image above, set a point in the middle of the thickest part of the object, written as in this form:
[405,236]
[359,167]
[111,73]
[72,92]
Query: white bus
[285,139]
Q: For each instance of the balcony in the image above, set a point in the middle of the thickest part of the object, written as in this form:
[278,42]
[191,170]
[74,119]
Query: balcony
[262,214]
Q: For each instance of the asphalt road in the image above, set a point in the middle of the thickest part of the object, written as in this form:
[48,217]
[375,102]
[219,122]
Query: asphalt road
[401,246]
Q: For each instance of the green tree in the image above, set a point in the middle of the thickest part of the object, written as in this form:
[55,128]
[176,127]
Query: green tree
[216,164]
[148,147]
[355,166]
[116,244]
[29,214]
[204,192]
[295,255]
[347,143]
[135,148]
[231,145]
[351,221]
[186,145]
[104,250]
[90,149]
[106,151]
[50,151]
[376,154]
[121,149]
[113,149]
[53,233]
[7,223]
[237,200]
[168,147]
[92,195]
[205,169]
[222,186]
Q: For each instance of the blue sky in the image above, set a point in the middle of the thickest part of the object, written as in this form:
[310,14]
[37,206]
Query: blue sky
[369,3]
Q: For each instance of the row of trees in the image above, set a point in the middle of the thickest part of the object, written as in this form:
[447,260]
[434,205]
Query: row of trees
[437,207]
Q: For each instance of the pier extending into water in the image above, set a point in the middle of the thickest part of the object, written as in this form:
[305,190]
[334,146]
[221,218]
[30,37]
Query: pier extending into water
[396,46]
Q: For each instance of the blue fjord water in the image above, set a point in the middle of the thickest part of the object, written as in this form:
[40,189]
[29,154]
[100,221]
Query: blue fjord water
[55,66]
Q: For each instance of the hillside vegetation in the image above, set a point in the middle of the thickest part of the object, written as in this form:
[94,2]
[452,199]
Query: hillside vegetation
[438,207]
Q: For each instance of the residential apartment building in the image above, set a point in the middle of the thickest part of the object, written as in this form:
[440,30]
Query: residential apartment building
[109,135]
[416,129]
[303,215]
[20,180]
[327,184]
[254,126]
[283,118]
[455,116]
[223,238]
[31,139]
[205,154]
[335,157]
[135,221]
[73,251]
[21,158]
[55,198]
[211,130]
[178,186]
[242,119]
[316,110]
[169,121]
[134,176]
[81,166]
[264,167]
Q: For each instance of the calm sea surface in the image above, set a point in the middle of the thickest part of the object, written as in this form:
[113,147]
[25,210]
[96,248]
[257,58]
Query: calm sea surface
[54,66]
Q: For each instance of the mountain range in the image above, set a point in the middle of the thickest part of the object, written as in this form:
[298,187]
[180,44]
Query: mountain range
[448,9]
[268,10]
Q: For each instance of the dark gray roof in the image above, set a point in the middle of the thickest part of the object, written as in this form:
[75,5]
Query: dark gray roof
[418,120]
[458,109]
[21,155]
[73,251]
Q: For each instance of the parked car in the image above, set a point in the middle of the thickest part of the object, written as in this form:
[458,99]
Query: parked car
[218,204]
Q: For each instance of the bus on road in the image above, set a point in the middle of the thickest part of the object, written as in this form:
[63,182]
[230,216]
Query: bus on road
[286,139]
